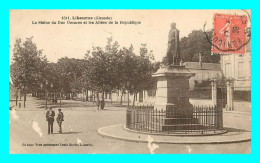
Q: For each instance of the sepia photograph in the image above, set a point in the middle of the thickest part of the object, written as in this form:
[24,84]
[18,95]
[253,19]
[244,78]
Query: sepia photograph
[130,81]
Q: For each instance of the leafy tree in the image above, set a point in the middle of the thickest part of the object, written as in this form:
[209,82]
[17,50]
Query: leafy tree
[195,43]
[28,65]
[126,70]
[69,75]
[137,70]
[102,71]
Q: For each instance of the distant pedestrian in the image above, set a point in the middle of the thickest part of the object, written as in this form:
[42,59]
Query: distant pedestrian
[98,105]
[102,104]
[50,118]
[59,119]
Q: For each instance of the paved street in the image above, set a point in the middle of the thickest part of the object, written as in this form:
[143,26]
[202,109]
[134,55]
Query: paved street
[28,126]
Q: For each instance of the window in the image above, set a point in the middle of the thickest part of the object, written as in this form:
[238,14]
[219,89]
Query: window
[241,69]
[227,70]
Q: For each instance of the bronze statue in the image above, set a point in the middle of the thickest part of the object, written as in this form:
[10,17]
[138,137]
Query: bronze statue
[173,51]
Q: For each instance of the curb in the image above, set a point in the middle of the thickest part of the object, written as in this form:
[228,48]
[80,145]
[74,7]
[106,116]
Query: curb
[237,112]
[179,135]
[101,132]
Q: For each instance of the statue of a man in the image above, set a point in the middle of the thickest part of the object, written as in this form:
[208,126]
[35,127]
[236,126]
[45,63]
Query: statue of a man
[173,51]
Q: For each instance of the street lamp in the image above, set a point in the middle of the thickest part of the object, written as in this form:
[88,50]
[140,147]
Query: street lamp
[20,90]
[52,92]
[60,96]
[46,96]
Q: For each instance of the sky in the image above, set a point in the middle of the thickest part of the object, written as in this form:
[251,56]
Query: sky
[73,40]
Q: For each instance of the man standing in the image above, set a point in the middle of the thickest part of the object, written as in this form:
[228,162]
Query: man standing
[50,118]
[173,51]
[59,119]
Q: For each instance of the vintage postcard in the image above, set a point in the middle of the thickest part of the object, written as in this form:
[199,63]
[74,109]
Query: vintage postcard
[130,81]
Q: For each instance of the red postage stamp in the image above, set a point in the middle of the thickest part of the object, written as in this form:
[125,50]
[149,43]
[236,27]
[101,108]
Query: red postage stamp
[229,35]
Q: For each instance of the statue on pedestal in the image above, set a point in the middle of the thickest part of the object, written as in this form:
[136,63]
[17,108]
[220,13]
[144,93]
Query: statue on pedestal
[173,51]
[173,78]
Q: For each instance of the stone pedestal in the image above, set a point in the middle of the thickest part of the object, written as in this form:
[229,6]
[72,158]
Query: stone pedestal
[172,87]
[172,96]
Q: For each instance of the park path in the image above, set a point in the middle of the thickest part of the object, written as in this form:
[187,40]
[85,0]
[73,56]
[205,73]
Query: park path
[28,126]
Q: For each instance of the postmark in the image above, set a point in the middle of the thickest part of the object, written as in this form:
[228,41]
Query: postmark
[230,34]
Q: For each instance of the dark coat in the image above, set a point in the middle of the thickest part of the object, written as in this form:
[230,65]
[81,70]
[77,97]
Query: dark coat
[50,115]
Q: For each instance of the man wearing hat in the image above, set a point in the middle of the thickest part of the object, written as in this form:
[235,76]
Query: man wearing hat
[59,119]
[50,118]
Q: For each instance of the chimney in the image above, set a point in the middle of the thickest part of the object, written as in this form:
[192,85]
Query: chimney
[200,60]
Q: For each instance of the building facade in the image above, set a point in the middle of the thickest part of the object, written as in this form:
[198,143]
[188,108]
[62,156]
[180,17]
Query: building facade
[238,67]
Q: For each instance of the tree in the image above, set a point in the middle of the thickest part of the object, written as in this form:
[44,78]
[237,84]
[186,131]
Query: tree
[69,74]
[195,43]
[126,69]
[52,76]
[101,71]
[143,72]
[28,66]
[136,71]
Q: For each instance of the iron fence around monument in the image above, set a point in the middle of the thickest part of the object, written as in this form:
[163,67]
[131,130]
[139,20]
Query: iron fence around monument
[199,119]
